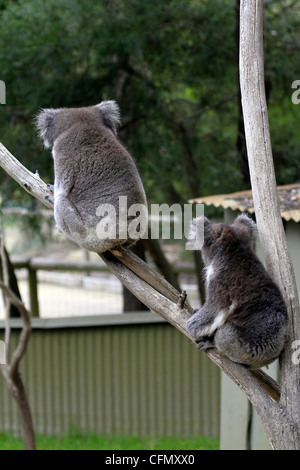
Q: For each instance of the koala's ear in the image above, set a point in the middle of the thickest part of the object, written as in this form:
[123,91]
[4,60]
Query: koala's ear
[110,114]
[246,225]
[201,233]
[46,125]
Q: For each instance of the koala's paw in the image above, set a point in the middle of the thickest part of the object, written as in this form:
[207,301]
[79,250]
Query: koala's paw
[192,324]
[205,343]
[50,198]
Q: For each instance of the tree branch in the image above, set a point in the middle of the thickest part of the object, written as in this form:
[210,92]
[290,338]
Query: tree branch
[32,183]
[10,370]
[156,293]
[5,277]
[25,333]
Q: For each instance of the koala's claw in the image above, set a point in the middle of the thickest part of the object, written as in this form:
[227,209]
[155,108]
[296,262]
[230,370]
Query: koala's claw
[204,344]
[50,199]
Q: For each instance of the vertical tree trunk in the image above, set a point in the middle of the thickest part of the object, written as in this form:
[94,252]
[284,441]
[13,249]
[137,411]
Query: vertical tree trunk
[283,423]
[241,140]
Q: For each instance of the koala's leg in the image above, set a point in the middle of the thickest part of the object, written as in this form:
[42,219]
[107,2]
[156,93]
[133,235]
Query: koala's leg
[67,217]
[229,343]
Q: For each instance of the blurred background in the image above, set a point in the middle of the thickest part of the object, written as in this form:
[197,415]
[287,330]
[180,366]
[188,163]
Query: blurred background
[172,66]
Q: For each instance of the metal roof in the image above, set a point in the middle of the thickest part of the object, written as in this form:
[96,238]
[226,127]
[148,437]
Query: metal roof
[289,199]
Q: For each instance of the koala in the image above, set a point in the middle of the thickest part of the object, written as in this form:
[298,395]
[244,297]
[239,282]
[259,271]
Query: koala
[244,316]
[99,199]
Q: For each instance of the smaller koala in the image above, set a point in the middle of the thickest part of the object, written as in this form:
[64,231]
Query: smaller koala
[99,199]
[244,316]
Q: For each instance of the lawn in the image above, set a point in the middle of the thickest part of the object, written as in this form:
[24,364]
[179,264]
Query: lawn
[88,441]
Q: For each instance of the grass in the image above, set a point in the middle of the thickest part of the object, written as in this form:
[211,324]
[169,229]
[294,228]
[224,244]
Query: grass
[88,441]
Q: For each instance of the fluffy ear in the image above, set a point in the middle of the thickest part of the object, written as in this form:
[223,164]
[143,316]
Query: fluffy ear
[46,124]
[246,225]
[110,114]
[201,233]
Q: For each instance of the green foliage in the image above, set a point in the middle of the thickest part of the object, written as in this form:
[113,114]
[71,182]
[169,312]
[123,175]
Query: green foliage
[88,441]
[173,68]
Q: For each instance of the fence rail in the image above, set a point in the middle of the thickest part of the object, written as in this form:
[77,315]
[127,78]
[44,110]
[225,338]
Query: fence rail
[130,374]
[33,265]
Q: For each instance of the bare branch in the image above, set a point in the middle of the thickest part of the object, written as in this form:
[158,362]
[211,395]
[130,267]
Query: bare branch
[138,266]
[162,298]
[5,278]
[32,183]
[182,299]
[26,329]
[10,370]
[257,388]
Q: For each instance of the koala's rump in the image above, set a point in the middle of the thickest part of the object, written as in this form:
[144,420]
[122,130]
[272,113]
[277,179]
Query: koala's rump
[255,344]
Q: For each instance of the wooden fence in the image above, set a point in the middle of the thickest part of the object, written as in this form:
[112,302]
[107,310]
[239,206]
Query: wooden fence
[127,374]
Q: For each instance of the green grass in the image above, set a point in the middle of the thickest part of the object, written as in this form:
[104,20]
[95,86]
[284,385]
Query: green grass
[89,441]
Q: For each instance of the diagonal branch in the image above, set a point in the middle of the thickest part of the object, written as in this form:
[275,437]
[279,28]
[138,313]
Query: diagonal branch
[155,292]
[30,182]
[177,316]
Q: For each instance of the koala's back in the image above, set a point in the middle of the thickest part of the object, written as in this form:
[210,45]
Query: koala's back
[244,315]
[95,177]
[243,285]
[255,329]
[99,166]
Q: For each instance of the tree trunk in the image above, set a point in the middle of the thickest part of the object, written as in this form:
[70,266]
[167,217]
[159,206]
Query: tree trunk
[282,422]
[241,139]
[12,284]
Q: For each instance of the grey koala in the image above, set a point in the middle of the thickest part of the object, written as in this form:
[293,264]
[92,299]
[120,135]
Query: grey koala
[96,180]
[244,316]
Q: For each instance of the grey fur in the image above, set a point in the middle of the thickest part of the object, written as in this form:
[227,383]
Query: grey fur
[91,169]
[244,316]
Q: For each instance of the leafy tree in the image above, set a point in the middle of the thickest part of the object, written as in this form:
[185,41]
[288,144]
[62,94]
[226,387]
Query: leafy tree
[171,65]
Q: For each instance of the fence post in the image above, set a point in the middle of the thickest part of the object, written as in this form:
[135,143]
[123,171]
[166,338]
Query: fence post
[33,291]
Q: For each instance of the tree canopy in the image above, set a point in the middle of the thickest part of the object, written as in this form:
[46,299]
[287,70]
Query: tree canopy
[173,68]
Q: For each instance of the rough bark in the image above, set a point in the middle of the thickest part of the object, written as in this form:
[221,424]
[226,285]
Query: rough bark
[282,423]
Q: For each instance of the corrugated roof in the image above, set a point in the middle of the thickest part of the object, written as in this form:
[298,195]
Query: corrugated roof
[289,198]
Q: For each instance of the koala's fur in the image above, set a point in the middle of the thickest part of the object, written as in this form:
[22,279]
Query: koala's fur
[244,316]
[91,169]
